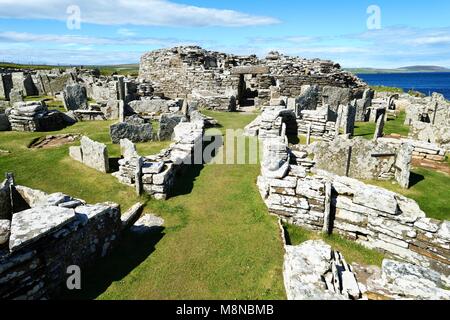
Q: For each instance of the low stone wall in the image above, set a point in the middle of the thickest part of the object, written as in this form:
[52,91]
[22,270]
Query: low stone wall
[154,106]
[364,159]
[91,153]
[421,150]
[435,134]
[156,174]
[375,217]
[50,233]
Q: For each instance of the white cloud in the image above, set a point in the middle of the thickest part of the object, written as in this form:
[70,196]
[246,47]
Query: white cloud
[126,32]
[132,12]
[73,40]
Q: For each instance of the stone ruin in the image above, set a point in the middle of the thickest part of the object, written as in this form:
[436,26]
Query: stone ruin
[374,217]
[224,82]
[427,117]
[34,116]
[156,174]
[314,271]
[305,116]
[92,154]
[41,235]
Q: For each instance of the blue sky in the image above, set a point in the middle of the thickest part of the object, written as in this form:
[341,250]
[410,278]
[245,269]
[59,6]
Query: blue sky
[117,31]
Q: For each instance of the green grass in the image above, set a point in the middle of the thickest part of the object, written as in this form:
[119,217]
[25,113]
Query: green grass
[51,103]
[25,66]
[387,89]
[52,170]
[130,69]
[429,188]
[367,129]
[352,251]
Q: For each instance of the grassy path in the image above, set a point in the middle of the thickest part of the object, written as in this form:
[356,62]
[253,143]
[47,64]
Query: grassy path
[219,242]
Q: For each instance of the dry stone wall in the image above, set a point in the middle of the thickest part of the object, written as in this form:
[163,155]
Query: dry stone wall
[220,80]
[156,175]
[375,217]
[47,235]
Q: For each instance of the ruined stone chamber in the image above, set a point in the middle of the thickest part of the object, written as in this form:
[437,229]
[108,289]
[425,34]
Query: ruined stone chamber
[42,234]
[225,82]
[308,196]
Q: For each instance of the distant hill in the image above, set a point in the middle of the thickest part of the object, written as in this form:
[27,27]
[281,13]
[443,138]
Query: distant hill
[124,69]
[409,69]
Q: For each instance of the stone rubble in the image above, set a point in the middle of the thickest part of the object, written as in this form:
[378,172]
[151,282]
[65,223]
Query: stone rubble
[34,116]
[313,271]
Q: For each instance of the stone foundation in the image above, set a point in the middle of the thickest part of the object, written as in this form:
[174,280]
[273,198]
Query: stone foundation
[49,233]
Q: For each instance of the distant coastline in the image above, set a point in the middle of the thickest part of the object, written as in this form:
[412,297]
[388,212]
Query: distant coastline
[424,82]
[411,69]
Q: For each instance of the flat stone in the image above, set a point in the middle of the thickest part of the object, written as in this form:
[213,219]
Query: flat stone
[147,223]
[377,199]
[30,225]
[152,167]
[427,224]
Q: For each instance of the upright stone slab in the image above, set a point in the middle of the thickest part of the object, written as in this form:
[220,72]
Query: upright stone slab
[6,84]
[403,165]
[379,130]
[16,95]
[121,111]
[75,97]
[5,200]
[95,154]
[349,119]
[128,149]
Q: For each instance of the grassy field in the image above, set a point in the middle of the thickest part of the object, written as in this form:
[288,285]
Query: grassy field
[352,251]
[367,129]
[387,89]
[52,170]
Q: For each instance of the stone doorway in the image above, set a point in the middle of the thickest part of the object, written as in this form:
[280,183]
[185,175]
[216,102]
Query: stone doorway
[247,91]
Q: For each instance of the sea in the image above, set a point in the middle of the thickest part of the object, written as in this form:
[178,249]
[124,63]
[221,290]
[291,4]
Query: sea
[425,83]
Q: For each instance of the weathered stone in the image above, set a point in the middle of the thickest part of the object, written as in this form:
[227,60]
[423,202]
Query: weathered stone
[403,165]
[147,223]
[76,153]
[74,97]
[95,154]
[128,149]
[313,271]
[5,230]
[427,224]
[378,199]
[133,132]
[31,225]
